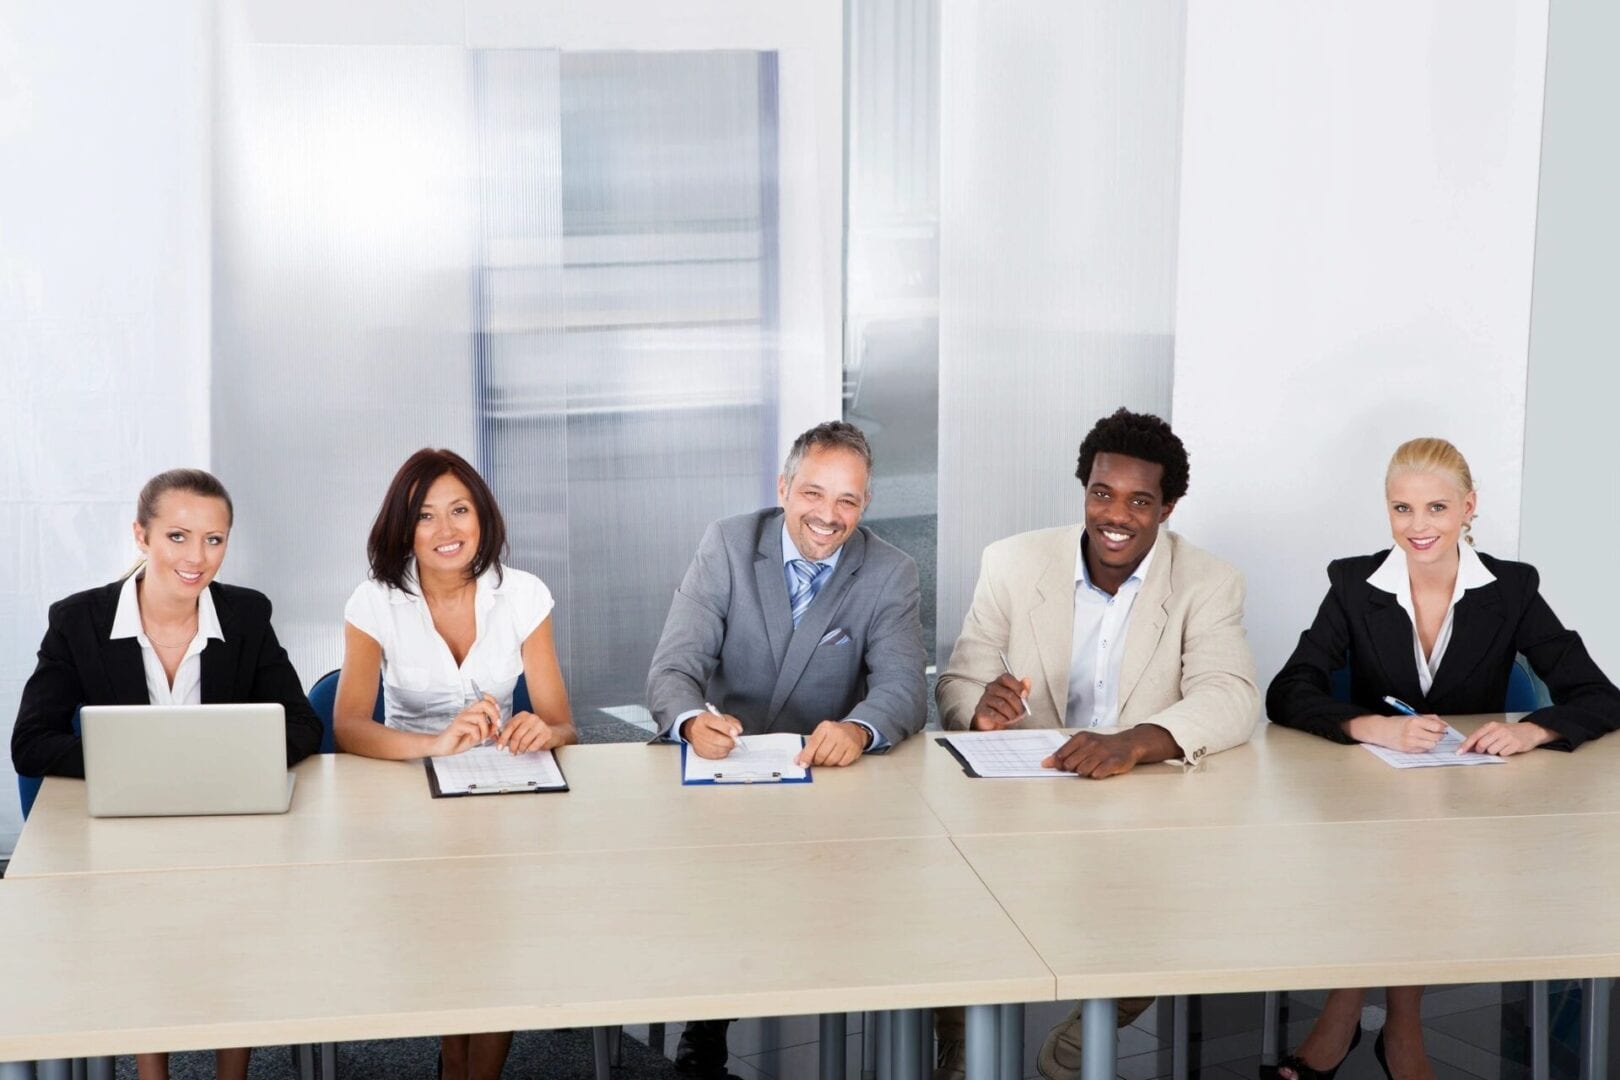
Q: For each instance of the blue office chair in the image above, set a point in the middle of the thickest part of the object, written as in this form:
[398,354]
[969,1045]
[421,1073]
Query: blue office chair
[28,786]
[323,699]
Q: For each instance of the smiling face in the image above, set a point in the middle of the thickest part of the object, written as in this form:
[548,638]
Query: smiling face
[1124,508]
[184,544]
[1426,514]
[447,530]
[823,499]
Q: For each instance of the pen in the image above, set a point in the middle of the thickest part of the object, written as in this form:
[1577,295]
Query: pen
[478,695]
[1398,705]
[736,740]
[1008,669]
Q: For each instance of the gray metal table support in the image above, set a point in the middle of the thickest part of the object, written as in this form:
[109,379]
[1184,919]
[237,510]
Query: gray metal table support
[1011,1039]
[59,1069]
[833,1046]
[599,1052]
[1540,1039]
[1271,1029]
[869,1045]
[1595,1019]
[1099,1041]
[907,1046]
[885,1045]
[1181,1043]
[306,1061]
[329,1065]
[16,1070]
[982,1035]
[99,1068]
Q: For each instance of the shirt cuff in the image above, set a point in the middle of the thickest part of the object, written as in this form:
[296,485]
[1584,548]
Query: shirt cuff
[878,741]
[674,732]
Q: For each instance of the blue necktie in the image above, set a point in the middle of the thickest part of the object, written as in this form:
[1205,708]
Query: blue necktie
[807,578]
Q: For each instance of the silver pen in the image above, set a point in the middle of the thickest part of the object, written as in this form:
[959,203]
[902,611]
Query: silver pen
[1008,669]
[478,695]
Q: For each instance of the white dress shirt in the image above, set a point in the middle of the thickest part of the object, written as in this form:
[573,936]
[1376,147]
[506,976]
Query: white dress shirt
[1392,576]
[423,686]
[1100,624]
[187,686]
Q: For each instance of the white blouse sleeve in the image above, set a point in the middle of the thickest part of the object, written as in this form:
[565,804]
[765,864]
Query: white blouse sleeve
[367,611]
[532,602]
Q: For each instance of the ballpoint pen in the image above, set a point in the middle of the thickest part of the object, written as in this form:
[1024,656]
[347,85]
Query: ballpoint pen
[736,740]
[1008,669]
[1398,705]
[478,695]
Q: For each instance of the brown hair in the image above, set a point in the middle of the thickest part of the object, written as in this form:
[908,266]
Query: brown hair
[393,534]
[1437,456]
[193,480]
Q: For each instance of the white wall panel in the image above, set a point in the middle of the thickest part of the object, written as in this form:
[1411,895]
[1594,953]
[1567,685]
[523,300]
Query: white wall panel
[1357,222]
[104,205]
[1570,515]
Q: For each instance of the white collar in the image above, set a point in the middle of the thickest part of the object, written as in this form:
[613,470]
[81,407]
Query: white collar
[1392,575]
[488,586]
[1082,576]
[127,619]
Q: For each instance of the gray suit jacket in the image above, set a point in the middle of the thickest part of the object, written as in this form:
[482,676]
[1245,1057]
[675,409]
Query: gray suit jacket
[730,638]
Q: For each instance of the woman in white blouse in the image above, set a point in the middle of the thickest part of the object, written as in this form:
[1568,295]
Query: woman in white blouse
[1436,626]
[449,630]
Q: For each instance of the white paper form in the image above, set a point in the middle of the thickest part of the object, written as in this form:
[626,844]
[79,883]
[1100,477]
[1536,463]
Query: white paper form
[755,759]
[1444,753]
[1009,753]
[488,770]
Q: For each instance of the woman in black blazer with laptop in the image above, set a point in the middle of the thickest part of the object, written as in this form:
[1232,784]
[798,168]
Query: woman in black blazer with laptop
[168,634]
[1437,627]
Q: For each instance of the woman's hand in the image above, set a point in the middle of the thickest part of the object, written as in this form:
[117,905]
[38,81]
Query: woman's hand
[1408,734]
[1503,739]
[471,726]
[526,732]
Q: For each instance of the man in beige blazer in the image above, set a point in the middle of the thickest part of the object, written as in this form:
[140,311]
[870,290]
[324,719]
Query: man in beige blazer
[1115,627]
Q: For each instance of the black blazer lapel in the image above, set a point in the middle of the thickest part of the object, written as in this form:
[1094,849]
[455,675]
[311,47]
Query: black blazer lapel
[121,662]
[220,658]
[817,618]
[1475,623]
[1390,629]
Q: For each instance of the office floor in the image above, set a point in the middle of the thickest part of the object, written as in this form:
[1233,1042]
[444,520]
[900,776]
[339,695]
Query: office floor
[1472,1032]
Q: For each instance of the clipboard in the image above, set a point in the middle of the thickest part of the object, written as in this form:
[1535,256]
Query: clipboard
[720,779]
[957,754]
[532,787]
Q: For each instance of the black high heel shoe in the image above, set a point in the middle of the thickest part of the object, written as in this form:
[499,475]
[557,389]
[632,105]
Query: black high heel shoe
[1306,1072]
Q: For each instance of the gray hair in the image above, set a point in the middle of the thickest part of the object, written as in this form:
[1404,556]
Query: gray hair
[836,434]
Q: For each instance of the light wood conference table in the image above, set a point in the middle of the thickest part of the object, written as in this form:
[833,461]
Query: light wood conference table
[327,951]
[1181,837]
[351,809]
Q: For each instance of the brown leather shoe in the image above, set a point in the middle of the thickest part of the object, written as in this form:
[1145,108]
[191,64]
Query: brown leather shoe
[1059,1058]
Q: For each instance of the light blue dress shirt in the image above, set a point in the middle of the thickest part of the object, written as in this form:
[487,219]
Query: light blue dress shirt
[1100,624]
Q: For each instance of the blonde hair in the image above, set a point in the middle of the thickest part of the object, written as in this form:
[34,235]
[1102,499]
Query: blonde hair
[1436,456]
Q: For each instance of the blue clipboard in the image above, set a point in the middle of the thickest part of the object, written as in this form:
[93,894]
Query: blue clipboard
[719,778]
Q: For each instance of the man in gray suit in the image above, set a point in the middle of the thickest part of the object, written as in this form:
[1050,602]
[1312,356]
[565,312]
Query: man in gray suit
[793,619]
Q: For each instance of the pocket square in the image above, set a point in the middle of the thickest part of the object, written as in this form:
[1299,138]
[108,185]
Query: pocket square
[835,636]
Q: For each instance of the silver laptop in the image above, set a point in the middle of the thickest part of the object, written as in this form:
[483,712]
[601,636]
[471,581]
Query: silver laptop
[151,760]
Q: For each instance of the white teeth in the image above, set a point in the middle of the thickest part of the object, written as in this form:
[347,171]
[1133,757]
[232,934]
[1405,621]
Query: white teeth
[446,549]
[1116,537]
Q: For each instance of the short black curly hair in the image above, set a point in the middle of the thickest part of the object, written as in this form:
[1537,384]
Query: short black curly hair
[1138,435]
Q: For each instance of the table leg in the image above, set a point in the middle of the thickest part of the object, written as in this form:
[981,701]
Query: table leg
[885,1045]
[599,1053]
[833,1046]
[869,1045]
[908,1050]
[1540,1037]
[925,1039]
[99,1068]
[1595,999]
[1011,1038]
[329,1065]
[1099,1048]
[983,1026]
[1271,1028]
[60,1069]
[16,1070]
[1180,1038]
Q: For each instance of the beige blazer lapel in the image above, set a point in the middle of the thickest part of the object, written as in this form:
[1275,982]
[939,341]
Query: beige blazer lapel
[1148,618]
[1051,618]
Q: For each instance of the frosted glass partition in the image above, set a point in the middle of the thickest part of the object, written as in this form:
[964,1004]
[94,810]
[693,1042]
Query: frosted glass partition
[1355,271]
[345,214]
[1060,137]
[566,265]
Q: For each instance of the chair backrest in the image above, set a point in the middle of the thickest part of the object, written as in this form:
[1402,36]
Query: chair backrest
[323,698]
[1525,692]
